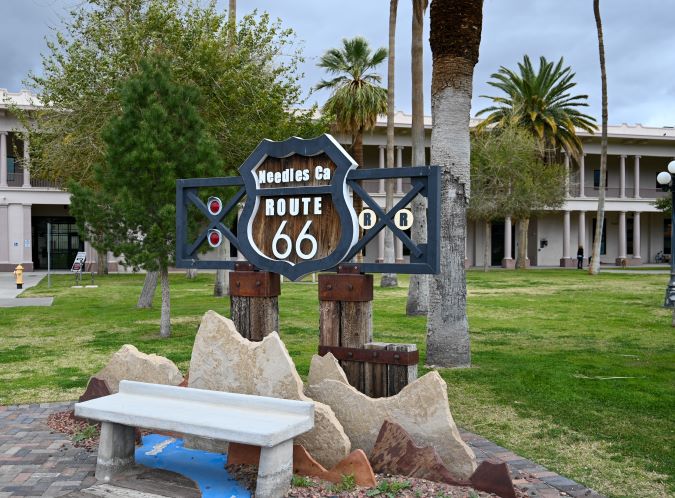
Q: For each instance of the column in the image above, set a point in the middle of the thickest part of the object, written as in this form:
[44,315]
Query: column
[582,232]
[636,181]
[398,245]
[622,235]
[565,261]
[636,237]
[383,150]
[582,173]
[26,162]
[3,158]
[622,176]
[508,261]
[399,164]
[26,242]
[380,247]
[567,174]
[4,229]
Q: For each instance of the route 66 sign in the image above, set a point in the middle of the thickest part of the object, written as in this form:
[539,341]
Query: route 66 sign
[298,216]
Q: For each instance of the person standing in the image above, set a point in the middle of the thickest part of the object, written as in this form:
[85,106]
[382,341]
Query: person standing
[580,258]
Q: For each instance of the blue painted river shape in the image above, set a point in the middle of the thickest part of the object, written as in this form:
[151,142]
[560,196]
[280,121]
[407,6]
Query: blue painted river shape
[204,468]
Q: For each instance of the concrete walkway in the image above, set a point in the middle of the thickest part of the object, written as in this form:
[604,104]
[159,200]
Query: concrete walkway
[9,294]
[34,461]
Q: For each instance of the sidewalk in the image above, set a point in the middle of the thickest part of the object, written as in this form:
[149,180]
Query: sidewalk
[34,461]
[9,293]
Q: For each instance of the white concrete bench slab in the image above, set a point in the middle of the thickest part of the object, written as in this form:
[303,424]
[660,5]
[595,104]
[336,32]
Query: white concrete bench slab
[270,423]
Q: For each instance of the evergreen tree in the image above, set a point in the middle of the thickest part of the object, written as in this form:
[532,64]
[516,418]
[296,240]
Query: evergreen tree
[158,137]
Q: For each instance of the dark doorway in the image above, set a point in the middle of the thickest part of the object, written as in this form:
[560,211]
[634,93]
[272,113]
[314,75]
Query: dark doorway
[65,242]
[497,242]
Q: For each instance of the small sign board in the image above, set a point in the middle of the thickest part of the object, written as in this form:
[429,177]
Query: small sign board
[78,264]
[298,216]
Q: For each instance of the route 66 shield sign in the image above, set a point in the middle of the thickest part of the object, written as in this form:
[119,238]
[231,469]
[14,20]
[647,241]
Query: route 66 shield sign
[298,216]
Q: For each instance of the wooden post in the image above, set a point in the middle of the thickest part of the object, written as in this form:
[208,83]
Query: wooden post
[254,301]
[346,315]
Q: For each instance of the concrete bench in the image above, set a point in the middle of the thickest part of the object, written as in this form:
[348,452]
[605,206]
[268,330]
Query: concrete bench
[270,423]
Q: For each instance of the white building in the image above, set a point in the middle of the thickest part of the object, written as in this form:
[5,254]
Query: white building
[635,230]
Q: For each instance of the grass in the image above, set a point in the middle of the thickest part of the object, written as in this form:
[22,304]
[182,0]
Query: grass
[571,371]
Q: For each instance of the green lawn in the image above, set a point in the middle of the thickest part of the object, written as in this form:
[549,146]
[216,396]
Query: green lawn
[571,371]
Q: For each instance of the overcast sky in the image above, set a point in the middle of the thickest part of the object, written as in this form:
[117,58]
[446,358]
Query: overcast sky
[639,44]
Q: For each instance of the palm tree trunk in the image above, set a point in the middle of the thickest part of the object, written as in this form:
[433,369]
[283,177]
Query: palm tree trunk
[148,292]
[165,319]
[521,259]
[594,267]
[220,287]
[390,279]
[418,290]
[232,22]
[357,148]
[455,39]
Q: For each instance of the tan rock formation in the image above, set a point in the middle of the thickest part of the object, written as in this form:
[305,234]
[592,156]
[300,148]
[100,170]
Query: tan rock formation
[223,360]
[325,367]
[130,364]
[421,408]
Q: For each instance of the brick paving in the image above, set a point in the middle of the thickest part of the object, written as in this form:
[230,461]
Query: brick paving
[34,461]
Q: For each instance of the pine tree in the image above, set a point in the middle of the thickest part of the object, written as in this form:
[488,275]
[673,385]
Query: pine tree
[158,137]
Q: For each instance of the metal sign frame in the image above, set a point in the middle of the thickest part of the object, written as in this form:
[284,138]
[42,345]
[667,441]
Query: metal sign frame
[424,257]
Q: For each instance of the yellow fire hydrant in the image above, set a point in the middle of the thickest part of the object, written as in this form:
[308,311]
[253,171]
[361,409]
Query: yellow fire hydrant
[18,273]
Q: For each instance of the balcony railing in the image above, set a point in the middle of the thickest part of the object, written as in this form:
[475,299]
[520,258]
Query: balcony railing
[615,192]
[16,180]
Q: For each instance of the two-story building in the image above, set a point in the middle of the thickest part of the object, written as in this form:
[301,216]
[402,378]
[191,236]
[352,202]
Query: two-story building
[635,231]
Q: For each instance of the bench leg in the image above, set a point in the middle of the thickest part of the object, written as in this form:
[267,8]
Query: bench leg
[275,470]
[115,450]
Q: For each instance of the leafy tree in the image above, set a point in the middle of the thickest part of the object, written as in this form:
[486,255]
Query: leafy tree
[390,279]
[540,101]
[158,137]
[455,39]
[594,267]
[509,178]
[247,92]
[418,290]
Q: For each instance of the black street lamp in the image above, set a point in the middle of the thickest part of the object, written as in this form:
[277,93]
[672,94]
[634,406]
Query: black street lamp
[667,178]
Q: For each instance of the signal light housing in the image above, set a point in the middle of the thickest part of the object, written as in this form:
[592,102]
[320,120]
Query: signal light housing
[214,237]
[214,205]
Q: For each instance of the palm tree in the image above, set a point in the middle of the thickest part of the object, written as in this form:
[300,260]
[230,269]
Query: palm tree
[418,290]
[357,98]
[594,267]
[540,102]
[390,279]
[455,39]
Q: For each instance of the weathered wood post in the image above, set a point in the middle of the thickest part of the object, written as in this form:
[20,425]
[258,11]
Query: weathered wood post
[254,301]
[346,316]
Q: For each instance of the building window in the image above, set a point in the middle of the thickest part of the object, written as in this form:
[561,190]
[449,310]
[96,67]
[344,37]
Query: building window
[667,227]
[596,179]
[603,240]
[629,235]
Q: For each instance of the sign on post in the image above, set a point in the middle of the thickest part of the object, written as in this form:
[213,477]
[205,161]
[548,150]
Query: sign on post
[298,216]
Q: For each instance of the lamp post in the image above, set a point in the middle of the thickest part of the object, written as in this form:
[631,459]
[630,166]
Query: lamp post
[668,178]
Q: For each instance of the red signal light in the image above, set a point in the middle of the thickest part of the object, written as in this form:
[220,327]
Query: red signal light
[214,205]
[214,237]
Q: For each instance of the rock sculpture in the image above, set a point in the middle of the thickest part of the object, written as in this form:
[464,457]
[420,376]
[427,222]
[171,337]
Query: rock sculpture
[223,360]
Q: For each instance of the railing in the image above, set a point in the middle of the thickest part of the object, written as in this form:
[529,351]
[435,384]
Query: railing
[16,180]
[615,192]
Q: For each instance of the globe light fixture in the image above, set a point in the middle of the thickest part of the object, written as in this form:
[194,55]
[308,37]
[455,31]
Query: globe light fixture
[667,178]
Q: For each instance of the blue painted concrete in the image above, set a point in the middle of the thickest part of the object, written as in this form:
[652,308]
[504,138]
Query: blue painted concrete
[204,468]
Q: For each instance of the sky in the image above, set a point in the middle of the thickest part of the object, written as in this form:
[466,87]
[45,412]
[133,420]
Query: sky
[639,45]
